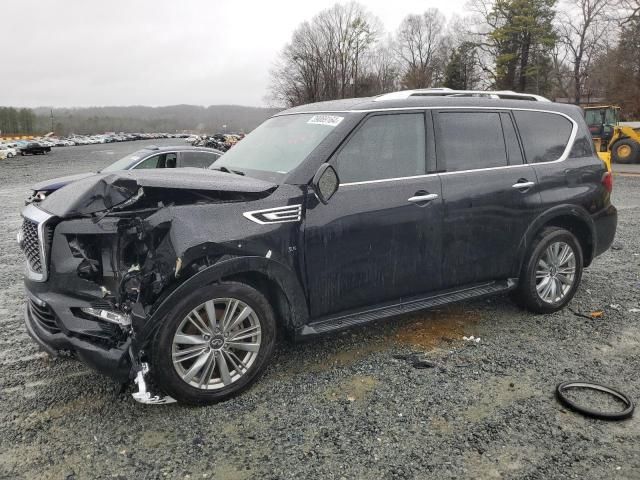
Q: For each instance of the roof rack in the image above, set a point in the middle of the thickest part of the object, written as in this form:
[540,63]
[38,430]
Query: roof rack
[448,92]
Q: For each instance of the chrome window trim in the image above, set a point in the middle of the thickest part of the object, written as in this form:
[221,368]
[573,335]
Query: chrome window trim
[563,157]
[286,214]
[33,213]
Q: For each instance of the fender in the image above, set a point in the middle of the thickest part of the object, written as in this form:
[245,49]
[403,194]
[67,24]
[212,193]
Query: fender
[272,269]
[575,211]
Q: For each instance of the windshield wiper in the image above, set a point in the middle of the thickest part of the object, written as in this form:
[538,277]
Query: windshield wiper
[226,170]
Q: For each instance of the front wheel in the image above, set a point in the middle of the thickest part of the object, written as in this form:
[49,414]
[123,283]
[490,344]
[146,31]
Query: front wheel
[552,271]
[214,343]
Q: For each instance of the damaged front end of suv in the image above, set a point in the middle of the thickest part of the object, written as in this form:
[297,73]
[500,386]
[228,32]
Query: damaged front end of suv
[106,253]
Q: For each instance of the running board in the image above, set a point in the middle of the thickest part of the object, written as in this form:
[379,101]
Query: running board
[331,324]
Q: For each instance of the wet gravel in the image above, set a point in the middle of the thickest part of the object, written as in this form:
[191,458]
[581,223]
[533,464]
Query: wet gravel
[346,406]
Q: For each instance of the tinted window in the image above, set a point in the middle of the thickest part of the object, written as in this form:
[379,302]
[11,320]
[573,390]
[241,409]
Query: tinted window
[470,140]
[582,146]
[544,135]
[385,146]
[198,159]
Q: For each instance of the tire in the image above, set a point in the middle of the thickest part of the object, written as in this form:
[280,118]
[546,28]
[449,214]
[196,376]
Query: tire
[533,292]
[626,150]
[196,377]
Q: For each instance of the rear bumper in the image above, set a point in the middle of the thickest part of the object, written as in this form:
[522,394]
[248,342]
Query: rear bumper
[111,361]
[605,222]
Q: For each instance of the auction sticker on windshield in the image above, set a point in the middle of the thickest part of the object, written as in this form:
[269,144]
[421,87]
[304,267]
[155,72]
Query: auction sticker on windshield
[329,120]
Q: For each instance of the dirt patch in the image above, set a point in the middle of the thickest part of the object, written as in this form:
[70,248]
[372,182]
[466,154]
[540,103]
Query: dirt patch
[344,358]
[433,329]
[353,389]
[496,393]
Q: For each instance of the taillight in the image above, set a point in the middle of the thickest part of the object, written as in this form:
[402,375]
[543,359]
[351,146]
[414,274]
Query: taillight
[607,181]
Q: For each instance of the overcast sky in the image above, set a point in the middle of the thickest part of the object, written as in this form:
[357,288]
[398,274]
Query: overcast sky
[66,53]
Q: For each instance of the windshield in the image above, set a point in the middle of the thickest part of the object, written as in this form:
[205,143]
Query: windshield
[280,144]
[125,162]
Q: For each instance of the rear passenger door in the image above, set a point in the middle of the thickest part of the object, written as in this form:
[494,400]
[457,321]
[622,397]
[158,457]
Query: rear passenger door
[490,194]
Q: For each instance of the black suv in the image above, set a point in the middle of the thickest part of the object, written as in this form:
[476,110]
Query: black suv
[326,216]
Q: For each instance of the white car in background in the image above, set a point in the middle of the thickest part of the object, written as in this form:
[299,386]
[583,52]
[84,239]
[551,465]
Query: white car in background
[8,151]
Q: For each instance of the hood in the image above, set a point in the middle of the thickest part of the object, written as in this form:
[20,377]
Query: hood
[105,191]
[56,183]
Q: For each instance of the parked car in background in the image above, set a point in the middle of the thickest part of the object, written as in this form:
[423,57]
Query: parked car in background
[9,151]
[34,148]
[377,207]
[148,158]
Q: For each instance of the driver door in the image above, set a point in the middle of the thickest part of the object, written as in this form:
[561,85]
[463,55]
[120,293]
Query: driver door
[379,237]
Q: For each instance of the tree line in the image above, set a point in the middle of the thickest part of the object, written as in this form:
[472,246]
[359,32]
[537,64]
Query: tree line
[139,119]
[17,121]
[562,49]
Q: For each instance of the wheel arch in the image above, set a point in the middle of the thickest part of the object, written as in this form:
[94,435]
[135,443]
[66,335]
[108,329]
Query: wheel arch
[273,279]
[575,219]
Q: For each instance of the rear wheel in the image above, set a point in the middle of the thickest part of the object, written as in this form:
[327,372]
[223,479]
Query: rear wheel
[626,150]
[214,344]
[552,272]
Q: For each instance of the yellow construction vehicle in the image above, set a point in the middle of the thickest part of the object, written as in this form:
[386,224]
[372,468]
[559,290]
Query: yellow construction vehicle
[614,142]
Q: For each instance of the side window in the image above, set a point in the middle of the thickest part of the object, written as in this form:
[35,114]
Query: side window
[198,159]
[170,160]
[582,146]
[544,135]
[385,146]
[470,140]
[151,162]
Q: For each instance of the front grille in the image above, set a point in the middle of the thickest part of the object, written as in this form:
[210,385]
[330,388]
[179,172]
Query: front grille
[35,238]
[31,245]
[44,316]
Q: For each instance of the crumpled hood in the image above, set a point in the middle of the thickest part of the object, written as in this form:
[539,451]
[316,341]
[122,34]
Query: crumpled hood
[104,191]
[59,182]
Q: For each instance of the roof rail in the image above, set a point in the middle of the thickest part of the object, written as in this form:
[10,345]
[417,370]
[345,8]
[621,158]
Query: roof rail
[448,92]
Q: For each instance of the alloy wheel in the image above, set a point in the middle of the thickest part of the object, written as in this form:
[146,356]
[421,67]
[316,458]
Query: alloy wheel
[216,343]
[555,272]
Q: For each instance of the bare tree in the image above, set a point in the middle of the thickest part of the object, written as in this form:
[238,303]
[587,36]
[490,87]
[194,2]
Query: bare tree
[326,56]
[419,45]
[582,28]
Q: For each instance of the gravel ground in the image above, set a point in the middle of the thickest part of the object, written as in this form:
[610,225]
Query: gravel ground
[343,406]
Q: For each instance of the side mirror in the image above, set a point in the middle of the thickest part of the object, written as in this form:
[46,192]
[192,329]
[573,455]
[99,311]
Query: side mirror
[325,182]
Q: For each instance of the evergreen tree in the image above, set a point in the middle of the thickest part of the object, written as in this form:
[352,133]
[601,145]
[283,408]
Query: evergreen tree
[460,72]
[524,36]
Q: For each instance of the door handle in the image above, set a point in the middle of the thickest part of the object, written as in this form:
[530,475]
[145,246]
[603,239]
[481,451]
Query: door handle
[423,198]
[523,184]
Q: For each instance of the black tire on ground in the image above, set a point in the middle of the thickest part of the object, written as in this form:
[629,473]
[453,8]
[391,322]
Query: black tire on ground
[161,361]
[527,294]
[626,150]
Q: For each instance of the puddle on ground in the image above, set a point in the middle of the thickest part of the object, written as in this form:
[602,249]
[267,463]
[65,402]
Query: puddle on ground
[433,329]
[424,331]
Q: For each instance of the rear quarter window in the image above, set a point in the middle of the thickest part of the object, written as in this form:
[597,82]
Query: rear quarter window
[544,135]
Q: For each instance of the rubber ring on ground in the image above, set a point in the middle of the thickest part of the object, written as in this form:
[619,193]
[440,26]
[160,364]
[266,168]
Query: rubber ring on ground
[589,412]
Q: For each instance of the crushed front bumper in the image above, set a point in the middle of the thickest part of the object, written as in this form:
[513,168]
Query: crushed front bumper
[43,327]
